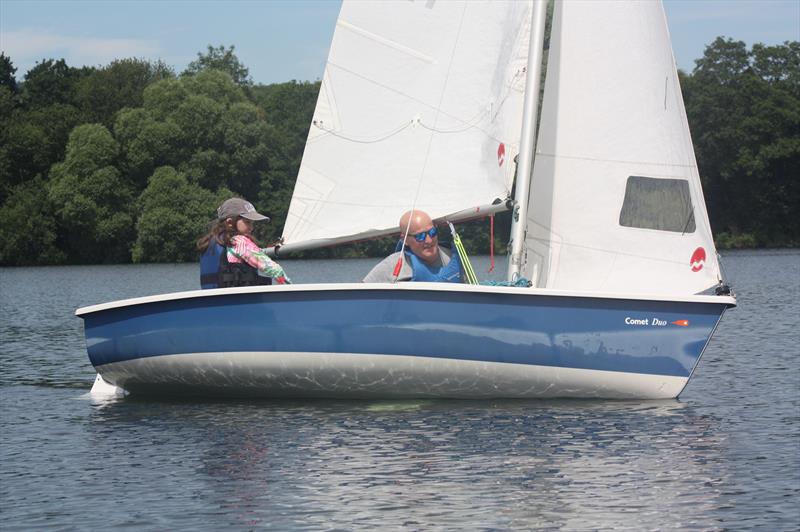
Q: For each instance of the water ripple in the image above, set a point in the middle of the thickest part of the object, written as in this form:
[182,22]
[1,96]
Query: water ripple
[726,456]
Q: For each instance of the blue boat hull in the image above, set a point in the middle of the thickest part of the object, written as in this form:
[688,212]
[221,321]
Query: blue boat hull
[385,342]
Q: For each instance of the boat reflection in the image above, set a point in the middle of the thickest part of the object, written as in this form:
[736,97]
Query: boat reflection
[423,464]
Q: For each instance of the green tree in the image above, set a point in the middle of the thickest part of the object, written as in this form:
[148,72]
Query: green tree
[7,105]
[174,213]
[290,107]
[147,143]
[51,81]
[222,59]
[216,85]
[27,227]
[7,71]
[35,123]
[779,65]
[197,116]
[21,156]
[744,112]
[162,98]
[35,120]
[92,203]
[204,127]
[34,140]
[120,84]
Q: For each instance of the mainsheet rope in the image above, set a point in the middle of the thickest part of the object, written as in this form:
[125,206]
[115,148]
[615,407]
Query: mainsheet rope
[469,272]
[491,243]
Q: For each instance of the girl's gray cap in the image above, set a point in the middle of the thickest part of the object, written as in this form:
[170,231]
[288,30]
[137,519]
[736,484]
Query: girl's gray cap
[231,208]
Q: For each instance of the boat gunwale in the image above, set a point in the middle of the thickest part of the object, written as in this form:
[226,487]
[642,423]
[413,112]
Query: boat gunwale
[728,301]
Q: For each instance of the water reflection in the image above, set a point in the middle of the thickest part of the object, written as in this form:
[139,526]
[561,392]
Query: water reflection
[423,464]
[725,457]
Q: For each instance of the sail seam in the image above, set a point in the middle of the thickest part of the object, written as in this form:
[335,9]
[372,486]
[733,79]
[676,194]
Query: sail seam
[620,161]
[563,243]
[386,42]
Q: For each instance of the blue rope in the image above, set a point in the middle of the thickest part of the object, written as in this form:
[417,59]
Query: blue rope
[519,283]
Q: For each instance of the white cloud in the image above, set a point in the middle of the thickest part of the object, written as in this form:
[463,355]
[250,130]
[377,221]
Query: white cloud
[27,46]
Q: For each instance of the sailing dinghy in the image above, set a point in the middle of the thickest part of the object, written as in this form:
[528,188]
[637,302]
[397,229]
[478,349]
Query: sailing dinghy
[433,105]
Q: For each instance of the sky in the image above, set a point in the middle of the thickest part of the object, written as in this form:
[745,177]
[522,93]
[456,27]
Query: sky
[282,40]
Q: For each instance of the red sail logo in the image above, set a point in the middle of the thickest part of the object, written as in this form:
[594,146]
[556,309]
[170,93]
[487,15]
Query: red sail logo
[501,154]
[681,323]
[698,259]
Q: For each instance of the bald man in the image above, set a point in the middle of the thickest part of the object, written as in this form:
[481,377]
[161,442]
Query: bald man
[422,259]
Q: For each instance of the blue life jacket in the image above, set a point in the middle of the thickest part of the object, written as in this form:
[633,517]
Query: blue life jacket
[450,273]
[217,272]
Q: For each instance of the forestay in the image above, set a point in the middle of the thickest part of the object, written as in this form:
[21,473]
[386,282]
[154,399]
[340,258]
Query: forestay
[420,106]
[616,203]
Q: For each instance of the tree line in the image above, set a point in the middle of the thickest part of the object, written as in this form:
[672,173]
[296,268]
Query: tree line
[128,162]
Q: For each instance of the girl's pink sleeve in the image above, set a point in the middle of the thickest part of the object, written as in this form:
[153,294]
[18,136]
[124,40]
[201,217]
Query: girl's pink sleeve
[246,250]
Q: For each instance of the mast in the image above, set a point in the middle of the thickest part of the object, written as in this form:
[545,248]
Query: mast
[527,140]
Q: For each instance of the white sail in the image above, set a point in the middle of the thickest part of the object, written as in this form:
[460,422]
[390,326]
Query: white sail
[420,106]
[616,203]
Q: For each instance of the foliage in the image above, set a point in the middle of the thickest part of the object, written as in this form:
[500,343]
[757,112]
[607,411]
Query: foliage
[744,111]
[27,227]
[34,139]
[7,71]
[204,127]
[120,84]
[51,81]
[35,120]
[172,214]
[93,203]
[222,59]
[740,241]
[290,107]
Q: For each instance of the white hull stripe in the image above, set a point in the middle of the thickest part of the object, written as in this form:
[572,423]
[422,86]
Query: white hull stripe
[363,375]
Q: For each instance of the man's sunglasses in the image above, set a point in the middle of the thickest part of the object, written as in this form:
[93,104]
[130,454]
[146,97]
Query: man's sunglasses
[432,232]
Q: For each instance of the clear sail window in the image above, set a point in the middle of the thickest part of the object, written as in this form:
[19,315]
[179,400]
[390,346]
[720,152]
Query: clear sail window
[663,204]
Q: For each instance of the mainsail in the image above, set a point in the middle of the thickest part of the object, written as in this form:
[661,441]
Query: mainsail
[420,106]
[616,203]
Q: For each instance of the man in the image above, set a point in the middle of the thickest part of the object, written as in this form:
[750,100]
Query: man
[422,258]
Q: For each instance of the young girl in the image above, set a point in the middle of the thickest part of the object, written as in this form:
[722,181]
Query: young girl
[243,263]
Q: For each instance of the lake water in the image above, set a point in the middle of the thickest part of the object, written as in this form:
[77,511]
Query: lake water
[726,455]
